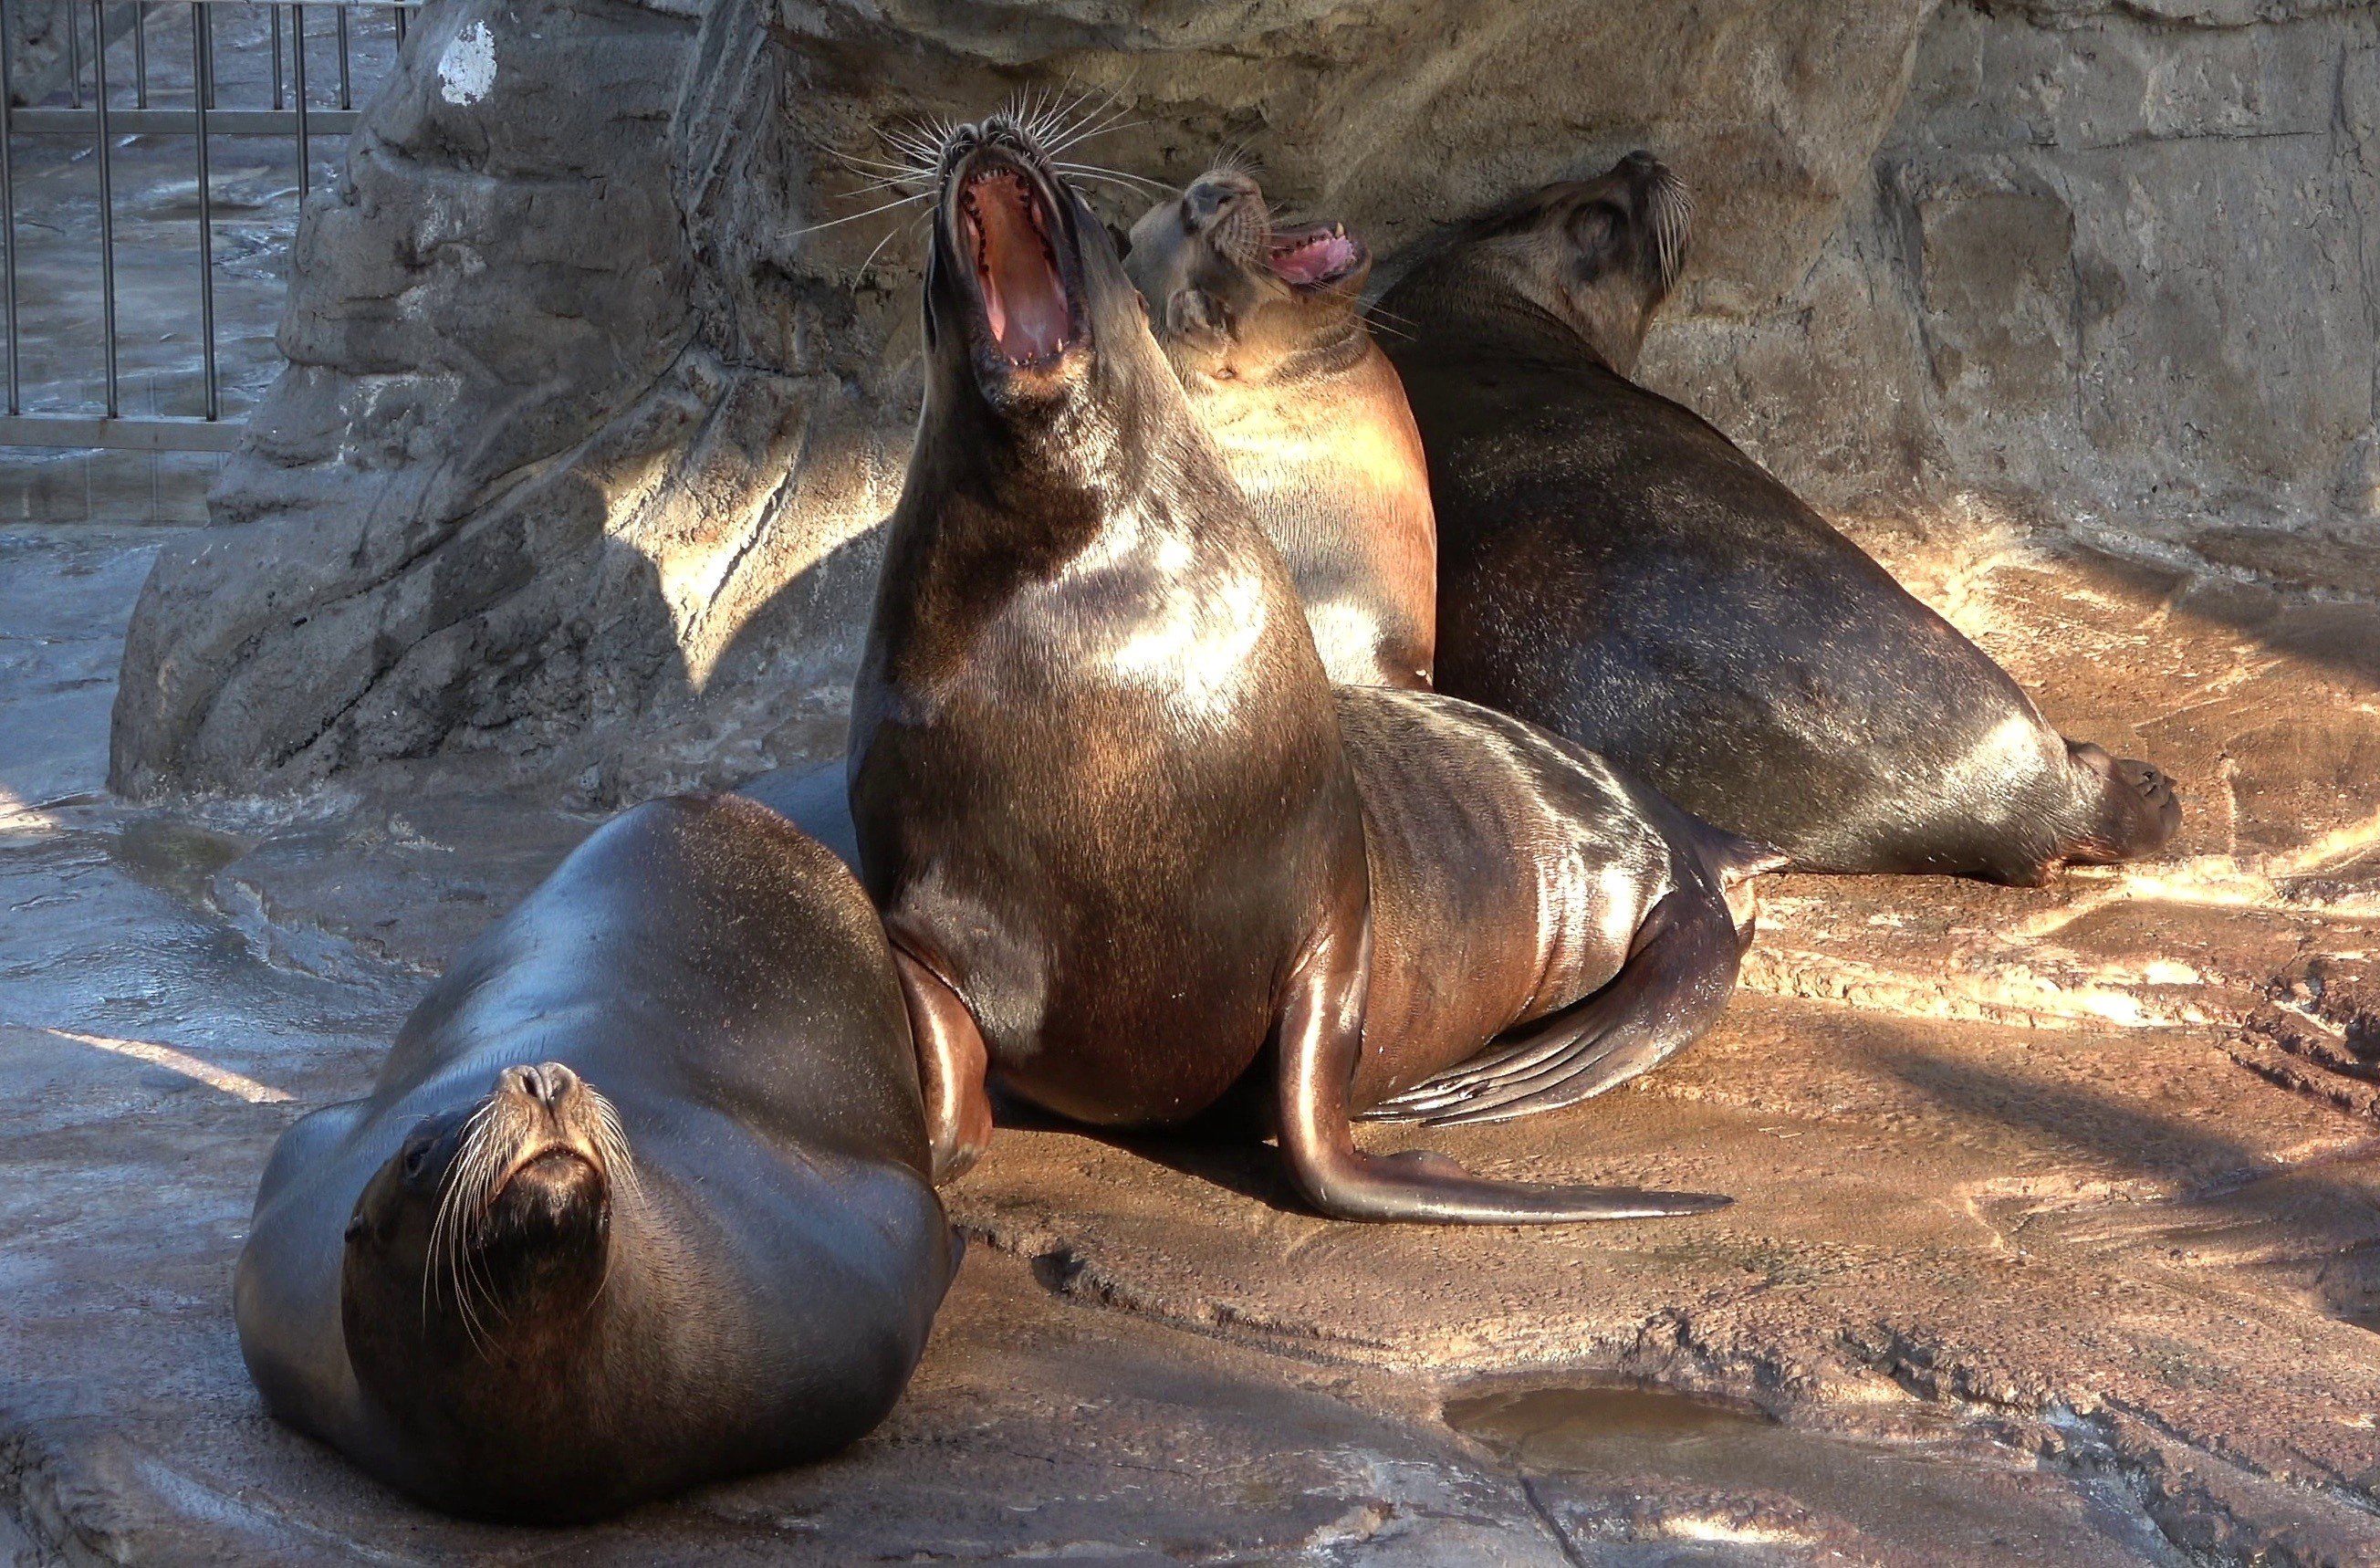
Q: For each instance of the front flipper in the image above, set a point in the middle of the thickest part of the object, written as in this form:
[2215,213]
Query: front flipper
[952,1062]
[1673,987]
[1321,1037]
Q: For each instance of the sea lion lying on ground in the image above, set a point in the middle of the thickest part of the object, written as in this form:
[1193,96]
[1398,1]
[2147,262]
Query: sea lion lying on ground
[638,1201]
[1614,568]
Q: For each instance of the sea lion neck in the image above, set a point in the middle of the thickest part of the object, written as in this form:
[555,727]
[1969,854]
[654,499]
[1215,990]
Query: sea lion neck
[1044,484]
[1311,353]
[1460,303]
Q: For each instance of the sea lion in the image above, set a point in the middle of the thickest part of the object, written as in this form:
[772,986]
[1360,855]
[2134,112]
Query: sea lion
[639,1199]
[1264,327]
[1614,568]
[1101,792]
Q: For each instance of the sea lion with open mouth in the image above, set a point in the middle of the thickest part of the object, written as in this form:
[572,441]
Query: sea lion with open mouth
[1264,325]
[640,1200]
[1615,569]
[1104,797]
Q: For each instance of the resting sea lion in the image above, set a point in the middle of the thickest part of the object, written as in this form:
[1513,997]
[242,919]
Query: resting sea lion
[638,1201]
[1614,568]
[1102,797]
[1263,324]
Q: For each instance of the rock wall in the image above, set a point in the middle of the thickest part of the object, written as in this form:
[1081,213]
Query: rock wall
[2116,266]
[574,477]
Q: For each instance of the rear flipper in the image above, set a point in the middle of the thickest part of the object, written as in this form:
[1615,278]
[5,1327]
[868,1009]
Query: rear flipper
[1738,861]
[1321,1033]
[2129,808]
[1672,989]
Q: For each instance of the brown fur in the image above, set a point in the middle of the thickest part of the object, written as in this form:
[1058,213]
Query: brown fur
[1309,417]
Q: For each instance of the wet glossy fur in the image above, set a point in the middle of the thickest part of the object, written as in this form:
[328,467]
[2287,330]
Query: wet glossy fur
[749,1287]
[1099,779]
[1612,567]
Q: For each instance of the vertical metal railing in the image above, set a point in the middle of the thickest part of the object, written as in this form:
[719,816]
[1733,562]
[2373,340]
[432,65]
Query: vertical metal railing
[203,100]
[107,212]
[298,68]
[102,121]
[8,215]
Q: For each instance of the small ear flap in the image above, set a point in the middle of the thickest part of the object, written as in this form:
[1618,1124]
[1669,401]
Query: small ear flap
[1597,230]
[1197,317]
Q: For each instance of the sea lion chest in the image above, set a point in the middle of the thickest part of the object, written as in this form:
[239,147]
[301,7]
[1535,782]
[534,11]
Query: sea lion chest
[1122,806]
[1333,466]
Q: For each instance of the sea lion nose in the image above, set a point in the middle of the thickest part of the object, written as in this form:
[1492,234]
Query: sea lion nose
[548,1083]
[1202,203]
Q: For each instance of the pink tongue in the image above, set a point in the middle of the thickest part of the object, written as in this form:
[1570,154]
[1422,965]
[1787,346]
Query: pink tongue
[1023,297]
[1316,258]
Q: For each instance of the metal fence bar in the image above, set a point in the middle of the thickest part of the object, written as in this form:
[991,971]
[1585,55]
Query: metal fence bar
[183,122]
[157,434]
[106,209]
[203,67]
[8,203]
[304,144]
[95,117]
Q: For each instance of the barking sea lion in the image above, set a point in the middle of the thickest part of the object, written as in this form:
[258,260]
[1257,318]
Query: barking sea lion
[1104,795]
[1264,327]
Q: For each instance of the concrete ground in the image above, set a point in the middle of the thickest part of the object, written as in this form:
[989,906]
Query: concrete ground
[2056,1237]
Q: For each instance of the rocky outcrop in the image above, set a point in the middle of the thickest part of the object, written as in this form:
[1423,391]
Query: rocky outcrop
[575,475]
[2114,266]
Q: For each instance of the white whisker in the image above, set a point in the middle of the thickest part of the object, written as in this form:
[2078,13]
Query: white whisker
[1106,129]
[1093,171]
[855,217]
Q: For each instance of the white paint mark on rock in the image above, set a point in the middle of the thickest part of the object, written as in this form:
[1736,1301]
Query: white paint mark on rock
[467,69]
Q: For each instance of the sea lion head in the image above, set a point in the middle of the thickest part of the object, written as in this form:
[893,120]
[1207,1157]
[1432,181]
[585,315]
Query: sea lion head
[1233,294]
[1030,321]
[488,1222]
[1600,254]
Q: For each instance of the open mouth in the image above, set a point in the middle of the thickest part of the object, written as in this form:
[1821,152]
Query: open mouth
[1312,256]
[1006,226]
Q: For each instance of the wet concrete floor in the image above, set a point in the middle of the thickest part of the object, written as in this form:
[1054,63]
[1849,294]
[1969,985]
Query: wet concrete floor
[2056,1221]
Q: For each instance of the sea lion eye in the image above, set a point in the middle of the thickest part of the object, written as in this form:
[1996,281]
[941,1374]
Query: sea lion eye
[415,1157]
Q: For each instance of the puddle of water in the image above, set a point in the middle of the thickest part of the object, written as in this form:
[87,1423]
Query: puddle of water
[1646,1470]
[178,858]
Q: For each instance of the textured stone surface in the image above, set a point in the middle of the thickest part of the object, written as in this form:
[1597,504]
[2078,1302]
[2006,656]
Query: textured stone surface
[2115,267]
[178,983]
[575,474]
[2056,1211]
